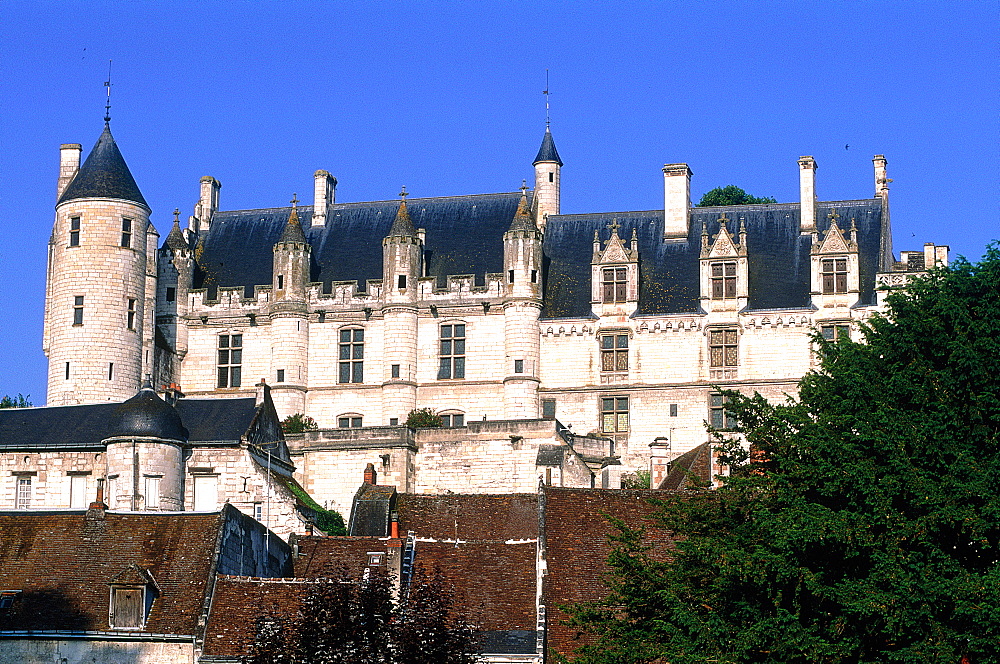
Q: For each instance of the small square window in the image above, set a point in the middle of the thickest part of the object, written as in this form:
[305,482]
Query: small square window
[393,421]
[534,276]
[78,310]
[673,410]
[280,376]
[74,232]
[402,281]
[518,366]
[171,294]
[510,276]
[394,369]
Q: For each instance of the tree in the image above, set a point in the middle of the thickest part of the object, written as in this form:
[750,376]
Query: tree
[20,401]
[344,621]
[423,418]
[731,195]
[864,525]
[297,423]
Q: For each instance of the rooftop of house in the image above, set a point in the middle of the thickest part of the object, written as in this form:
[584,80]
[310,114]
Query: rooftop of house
[104,174]
[477,517]
[63,563]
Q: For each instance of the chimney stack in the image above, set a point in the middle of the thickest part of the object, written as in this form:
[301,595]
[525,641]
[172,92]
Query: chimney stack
[98,507]
[208,202]
[370,474]
[807,194]
[676,200]
[659,464]
[69,164]
[324,195]
[262,391]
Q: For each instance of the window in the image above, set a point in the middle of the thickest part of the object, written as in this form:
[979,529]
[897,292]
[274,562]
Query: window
[548,409]
[258,511]
[112,497]
[23,500]
[230,360]
[127,610]
[171,294]
[534,276]
[510,276]
[7,598]
[723,280]
[615,283]
[281,281]
[718,416]
[126,232]
[77,310]
[723,348]
[152,493]
[206,493]
[614,352]
[835,332]
[673,410]
[452,351]
[352,355]
[453,420]
[834,274]
[614,414]
[280,376]
[130,314]
[394,371]
[349,422]
[78,492]
[67,371]
[518,366]
[551,177]
[74,232]
[402,281]
[393,421]
[111,370]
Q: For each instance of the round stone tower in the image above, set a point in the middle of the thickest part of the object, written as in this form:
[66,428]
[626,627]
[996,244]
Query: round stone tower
[548,166]
[290,318]
[145,470]
[401,265]
[96,289]
[522,258]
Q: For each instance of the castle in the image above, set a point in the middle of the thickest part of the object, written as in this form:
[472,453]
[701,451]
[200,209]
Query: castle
[551,345]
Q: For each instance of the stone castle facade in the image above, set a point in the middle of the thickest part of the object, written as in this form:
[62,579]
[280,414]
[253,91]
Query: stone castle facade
[490,309]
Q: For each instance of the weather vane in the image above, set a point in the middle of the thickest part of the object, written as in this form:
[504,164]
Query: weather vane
[546,93]
[107,106]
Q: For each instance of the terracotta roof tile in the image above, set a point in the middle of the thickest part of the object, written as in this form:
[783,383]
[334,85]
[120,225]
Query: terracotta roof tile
[469,517]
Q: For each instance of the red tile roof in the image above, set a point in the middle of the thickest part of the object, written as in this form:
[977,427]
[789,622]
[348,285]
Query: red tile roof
[327,557]
[469,517]
[63,561]
[238,603]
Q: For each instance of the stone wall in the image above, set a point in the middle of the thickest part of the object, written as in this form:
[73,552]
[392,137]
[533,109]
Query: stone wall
[86,651]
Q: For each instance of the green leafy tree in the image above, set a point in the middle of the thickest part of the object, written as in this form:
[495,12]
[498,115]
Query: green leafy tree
[20,401]
[863,523]
[423,418]
[297,423]
[731,195]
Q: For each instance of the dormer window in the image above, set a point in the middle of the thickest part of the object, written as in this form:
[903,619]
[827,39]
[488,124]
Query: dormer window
[614,284]
[723,280]
[132,593]
[834,275]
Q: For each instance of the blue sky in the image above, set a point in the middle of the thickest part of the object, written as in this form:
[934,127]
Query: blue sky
[445,98]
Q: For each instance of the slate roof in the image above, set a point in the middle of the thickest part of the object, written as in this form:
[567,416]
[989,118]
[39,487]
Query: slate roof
[778,255]
[547,151]
[371,509]
[85,426]
[464,235]
[63,562]
[104,174]
[146,414]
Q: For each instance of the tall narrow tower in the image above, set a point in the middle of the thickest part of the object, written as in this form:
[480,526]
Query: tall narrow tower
[522,259]
[547,169]
[401,267]
[96,290]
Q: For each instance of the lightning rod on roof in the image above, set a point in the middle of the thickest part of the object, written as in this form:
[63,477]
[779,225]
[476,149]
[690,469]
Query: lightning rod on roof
[546,93]
[107,106]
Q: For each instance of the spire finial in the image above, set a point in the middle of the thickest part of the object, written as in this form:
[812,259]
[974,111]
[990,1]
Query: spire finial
[614,226]
[546,93]
[107,106]
[177,215]
[524,187]
[295,200]
[833,217]
[403,194]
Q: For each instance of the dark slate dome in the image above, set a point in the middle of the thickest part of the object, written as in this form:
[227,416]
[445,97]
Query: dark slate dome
[148,416]
[104,175]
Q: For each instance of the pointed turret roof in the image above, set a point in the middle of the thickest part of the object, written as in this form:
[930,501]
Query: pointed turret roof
[175,238]
[293,229]
[104,174]
[402,226]
[547,152]
[523,221]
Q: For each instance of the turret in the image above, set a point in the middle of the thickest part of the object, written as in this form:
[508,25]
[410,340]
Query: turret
[522,252]
[547,169]
[145,459]
[402,250]
[97,312]
[175,272]
[290,317]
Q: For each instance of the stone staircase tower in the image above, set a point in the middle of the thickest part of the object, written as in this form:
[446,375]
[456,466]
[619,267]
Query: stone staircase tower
[522,258]
[98,315]
[402,251]
[548,167]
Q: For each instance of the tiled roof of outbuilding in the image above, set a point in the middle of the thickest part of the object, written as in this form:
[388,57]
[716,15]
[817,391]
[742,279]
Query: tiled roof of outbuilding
[63,562]
[475,517]
[238,604]
[329,557]
[104,174]
[690,469]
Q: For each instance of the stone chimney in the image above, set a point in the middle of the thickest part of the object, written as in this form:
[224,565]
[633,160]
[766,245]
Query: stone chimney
[324,195]
[676,200]
[807,193]
[208,202]
[935,255]
[98,507]
[263,391]
[659,464]
[881,181]
[370,475]
[69,164]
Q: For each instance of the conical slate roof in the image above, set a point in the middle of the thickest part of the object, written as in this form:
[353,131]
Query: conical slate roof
[147,415]
[104,175]
[175,238]
[402,226]
[547,152]
[293,229]
[523,220]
